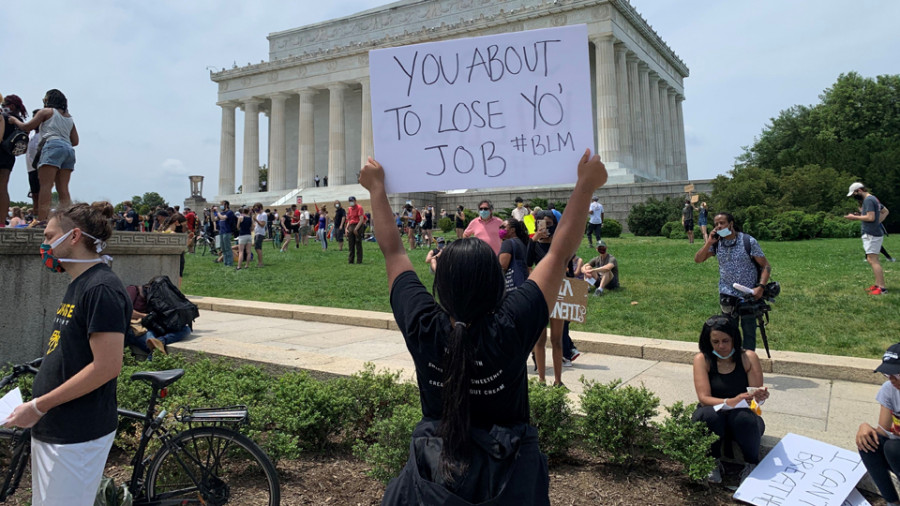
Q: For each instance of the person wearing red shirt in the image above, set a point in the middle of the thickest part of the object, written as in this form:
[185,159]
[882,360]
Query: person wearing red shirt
[191,218]
[356,221]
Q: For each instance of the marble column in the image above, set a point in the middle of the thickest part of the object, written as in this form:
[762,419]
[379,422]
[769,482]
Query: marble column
[634,97]
[607,101]
[665,127]
[277,154]
[626,143]
[226,149]
[649,132]
[337,157]
[657,127]
[306,150]
[250,168]
[682,145]
[673,133]
[367,147]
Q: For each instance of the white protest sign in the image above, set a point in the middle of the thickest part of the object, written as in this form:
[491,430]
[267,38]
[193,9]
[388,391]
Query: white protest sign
[483,112]
[800,470]
[10,402]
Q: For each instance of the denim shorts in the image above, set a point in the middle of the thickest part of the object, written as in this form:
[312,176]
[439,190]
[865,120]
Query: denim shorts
[58,153]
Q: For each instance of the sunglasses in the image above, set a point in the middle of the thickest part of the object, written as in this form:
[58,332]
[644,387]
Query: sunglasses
[891,376]
[484,208]
[718,321]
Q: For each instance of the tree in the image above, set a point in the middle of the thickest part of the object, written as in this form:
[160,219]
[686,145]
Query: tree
[144,204]
[852,134]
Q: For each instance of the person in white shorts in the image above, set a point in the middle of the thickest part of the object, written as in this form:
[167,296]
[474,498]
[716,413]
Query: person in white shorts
[870,216]
[73,410]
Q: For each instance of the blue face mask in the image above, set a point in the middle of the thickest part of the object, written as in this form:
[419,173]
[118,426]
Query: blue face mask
[484,214]
[724,232]
[716,353]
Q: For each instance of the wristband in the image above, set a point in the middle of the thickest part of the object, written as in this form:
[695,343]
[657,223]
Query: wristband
[33,404]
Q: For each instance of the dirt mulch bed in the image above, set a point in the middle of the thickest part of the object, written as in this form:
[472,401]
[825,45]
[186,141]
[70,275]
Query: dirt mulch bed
[580,479]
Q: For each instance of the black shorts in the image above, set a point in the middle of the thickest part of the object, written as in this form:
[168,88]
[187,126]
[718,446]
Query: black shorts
[338,234]
[689,226]
[34,184]
[258,240]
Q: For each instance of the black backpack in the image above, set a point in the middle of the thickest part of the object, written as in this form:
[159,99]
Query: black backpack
[15,142]
[169,309]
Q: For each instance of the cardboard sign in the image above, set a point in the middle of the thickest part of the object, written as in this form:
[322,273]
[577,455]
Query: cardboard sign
[483,112]
[694,199]
[688,188]
[571,303]
[800,470]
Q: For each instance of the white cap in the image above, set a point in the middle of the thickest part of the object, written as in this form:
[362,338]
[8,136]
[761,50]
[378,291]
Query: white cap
[854,187]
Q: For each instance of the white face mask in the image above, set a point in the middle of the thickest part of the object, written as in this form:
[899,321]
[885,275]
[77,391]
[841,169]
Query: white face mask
[724,232]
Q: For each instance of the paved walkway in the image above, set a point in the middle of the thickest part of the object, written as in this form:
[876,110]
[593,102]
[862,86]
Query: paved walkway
[339,342]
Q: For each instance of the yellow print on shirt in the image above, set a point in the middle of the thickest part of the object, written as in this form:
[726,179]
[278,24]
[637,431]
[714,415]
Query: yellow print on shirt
[54,342]
[65,310]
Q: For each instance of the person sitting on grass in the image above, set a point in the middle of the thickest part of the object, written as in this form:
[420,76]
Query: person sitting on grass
[722,374]
[879,447]
[474,443]
[602,271]
[432,257]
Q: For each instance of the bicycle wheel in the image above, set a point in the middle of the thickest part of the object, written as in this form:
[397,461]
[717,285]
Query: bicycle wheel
[204,246]
[14,453]
[213,465]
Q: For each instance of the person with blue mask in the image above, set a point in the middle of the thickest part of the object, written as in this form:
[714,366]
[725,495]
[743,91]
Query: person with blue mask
[727,378]
[741,261]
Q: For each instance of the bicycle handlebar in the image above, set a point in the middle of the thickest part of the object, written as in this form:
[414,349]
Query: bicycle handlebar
[21,370]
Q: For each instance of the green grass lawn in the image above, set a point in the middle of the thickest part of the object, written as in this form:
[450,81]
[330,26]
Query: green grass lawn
[823,307]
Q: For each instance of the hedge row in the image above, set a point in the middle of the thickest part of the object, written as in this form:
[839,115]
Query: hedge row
[374,413]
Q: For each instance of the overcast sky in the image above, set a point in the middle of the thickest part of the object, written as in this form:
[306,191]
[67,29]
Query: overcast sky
[136,74]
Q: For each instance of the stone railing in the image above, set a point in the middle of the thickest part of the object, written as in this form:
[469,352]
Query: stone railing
[30,294]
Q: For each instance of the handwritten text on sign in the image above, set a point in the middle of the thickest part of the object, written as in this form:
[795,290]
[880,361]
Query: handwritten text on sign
[800,470]
[571,303]
[500,110]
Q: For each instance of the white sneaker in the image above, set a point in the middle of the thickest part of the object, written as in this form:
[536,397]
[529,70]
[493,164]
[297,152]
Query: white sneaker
[715,476]
[748,468]
[567,362]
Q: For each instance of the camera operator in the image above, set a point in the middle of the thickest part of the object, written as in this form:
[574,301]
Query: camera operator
[741,261]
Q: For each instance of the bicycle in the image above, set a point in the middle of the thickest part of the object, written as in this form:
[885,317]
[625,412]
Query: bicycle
[207,464]
[206,243]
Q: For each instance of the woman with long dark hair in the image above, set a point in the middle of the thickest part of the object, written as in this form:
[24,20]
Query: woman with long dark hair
[57,155]
[514,243]
[726,379]
[11,107]
[470,344]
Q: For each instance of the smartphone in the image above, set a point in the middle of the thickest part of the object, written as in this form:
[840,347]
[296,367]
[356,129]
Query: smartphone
[540,225]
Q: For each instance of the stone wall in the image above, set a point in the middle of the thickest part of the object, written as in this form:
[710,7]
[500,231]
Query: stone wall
[617,200]
[30,294]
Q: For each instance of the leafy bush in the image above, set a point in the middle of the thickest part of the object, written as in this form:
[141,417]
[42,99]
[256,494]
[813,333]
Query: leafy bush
[669,227]
[686,442]
[544,204]
[611,228]
[308,409]
[649,217]
[373,396]
[834,227]
[676,231]
[470,215]
[551,414]
[617,420]
[391,438]
[446,224]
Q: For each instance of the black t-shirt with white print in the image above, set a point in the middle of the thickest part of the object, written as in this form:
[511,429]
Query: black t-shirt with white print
[502,341]
[95,301]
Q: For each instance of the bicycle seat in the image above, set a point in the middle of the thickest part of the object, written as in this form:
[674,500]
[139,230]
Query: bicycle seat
[159,379]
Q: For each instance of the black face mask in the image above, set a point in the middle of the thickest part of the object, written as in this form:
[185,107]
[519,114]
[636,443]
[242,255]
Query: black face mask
[858,197]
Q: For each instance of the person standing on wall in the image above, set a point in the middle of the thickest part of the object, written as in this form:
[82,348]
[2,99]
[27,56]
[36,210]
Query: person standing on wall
[57,155]
[872,234]
[72,412]
[11,107]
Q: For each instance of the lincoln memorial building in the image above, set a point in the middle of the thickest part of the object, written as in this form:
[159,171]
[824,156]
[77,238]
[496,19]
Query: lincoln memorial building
[314,90]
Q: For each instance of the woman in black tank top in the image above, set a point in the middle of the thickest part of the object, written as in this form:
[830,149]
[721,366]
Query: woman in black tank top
[722,374]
